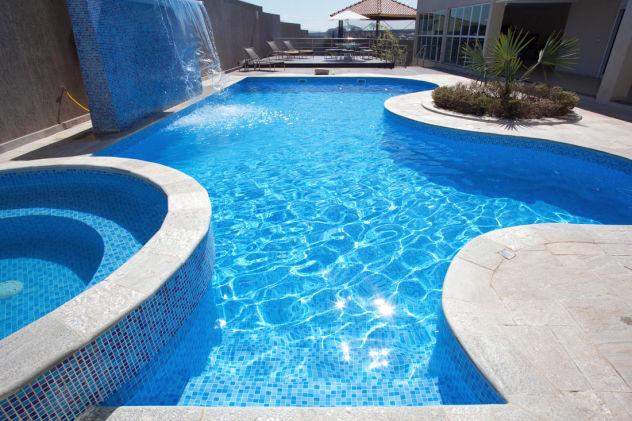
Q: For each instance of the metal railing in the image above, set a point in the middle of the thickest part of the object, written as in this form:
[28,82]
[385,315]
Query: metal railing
[382,49]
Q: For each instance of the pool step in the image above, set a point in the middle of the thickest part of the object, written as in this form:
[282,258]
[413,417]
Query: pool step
[214,390]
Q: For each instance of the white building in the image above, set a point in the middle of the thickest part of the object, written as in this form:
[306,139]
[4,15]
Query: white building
[603,28]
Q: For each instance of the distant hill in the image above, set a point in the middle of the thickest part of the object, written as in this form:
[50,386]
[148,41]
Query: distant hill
[366,32]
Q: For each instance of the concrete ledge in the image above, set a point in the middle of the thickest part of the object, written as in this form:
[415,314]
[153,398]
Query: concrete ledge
[412,413]
[49,131]
[41,345]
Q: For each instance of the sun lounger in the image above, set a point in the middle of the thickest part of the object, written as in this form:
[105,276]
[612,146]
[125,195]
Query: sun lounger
[289,45]
[257,62]
[276,51]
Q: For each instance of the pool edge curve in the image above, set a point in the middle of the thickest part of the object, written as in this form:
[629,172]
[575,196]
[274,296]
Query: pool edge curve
[42,347]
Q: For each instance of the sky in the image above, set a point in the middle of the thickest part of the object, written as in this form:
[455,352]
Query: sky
[314,14]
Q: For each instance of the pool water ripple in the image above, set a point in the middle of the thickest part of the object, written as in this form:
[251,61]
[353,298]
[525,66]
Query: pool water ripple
[335,224]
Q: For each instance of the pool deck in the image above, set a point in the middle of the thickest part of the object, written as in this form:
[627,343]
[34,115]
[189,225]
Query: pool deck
[544,311]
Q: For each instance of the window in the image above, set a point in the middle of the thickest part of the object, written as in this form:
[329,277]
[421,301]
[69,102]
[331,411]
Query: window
[466,26]
[431,34]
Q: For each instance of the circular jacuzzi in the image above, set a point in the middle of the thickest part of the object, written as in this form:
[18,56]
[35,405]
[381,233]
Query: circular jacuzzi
[102,260]
[63,230]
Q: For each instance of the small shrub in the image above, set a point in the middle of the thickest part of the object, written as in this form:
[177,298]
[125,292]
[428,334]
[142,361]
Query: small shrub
[513,109]
[528,101]
[565,102]
[546,101]
[460,99]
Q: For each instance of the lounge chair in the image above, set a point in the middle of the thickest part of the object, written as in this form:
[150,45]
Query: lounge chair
[276,51]
[256,61]
[289,45]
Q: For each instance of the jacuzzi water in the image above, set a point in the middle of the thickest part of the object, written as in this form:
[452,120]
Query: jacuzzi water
[335,223]
[64,230]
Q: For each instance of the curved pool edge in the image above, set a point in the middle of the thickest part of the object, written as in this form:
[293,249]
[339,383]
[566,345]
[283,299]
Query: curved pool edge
[528,360]
[520,302]
[593,131]
[44,347]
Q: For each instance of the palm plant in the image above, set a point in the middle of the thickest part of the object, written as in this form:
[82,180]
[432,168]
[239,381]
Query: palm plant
[476,62]
[558,52]
[505,64]
[505,59]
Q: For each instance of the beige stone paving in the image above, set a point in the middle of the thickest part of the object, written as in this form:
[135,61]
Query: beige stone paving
[559,340]
[549,324]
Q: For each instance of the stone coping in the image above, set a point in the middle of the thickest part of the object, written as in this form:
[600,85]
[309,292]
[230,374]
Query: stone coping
[543,311]
[573,117]
[39,346]
[400,413]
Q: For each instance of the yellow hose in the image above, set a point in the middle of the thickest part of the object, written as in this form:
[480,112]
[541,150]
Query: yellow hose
[75,101]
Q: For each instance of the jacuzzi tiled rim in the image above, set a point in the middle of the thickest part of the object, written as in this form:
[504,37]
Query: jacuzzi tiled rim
[59,364]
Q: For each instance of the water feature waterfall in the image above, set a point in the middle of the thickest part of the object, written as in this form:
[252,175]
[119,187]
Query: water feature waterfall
[196,23]
[139,57]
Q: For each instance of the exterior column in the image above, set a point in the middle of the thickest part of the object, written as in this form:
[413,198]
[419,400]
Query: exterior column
[617,79]
[415,61]
[444,35]
[494,25]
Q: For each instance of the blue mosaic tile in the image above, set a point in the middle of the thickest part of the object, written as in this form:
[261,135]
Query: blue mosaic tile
[63,231]
[326,206]
[132,65]
[118,359]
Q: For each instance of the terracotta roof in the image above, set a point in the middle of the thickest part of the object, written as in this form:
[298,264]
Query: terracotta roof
[382,9]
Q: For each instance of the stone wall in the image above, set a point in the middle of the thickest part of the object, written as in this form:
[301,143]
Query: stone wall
[39,57]
[238,25]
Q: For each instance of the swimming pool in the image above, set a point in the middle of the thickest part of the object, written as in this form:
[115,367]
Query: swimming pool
[64,230]
[334,224]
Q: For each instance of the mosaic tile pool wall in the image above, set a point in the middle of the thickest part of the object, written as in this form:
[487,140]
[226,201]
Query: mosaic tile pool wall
[65,230]
[136,57]
[116,358]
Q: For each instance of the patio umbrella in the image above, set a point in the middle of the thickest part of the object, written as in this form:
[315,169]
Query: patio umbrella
[379,10]
[346,15]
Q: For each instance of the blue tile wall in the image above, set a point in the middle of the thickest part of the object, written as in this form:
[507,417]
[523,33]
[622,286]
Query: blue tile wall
[118,357]
[137,58]
[64,230]
[450,361]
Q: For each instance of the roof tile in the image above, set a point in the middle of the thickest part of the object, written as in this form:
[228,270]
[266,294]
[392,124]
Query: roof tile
[381,8]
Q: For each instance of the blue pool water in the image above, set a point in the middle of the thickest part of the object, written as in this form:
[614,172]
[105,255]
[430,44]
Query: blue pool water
[335,223]
[62,231]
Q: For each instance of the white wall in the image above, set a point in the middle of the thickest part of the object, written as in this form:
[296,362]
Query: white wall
[591,22]
[617,79]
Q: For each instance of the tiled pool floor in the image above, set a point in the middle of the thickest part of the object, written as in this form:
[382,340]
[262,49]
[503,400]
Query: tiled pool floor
[550,327]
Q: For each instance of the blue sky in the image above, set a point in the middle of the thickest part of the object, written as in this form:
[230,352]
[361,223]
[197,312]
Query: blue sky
[314,14]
